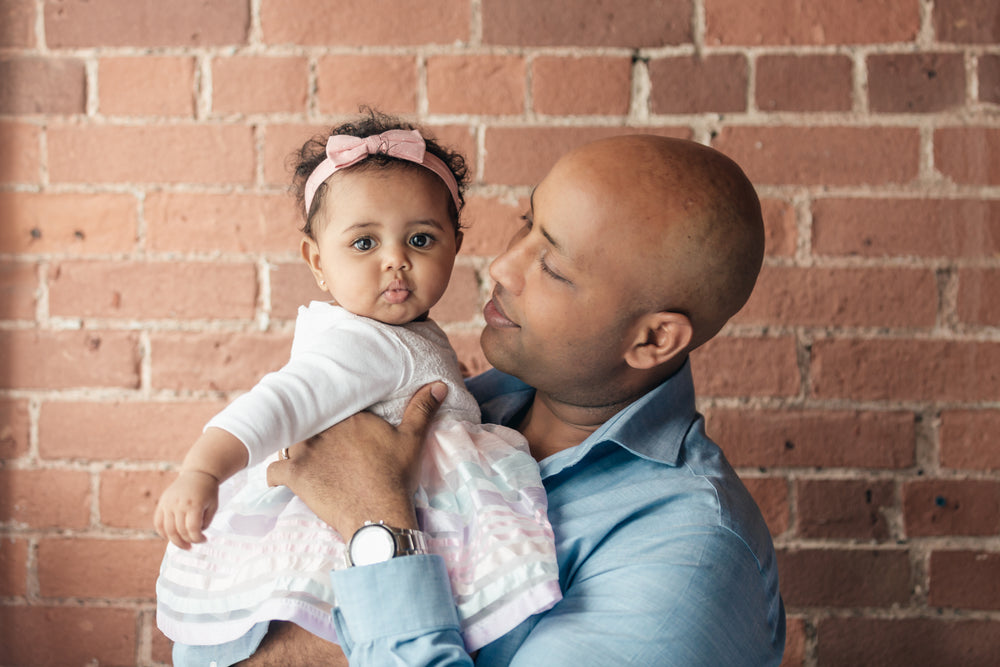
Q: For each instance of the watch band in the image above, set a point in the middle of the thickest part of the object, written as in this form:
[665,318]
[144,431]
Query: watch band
[409,542]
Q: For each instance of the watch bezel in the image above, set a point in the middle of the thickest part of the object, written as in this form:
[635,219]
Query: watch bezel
[361,538]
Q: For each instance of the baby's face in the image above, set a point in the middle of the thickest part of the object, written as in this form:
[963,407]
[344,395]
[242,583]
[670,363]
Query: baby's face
[385,245]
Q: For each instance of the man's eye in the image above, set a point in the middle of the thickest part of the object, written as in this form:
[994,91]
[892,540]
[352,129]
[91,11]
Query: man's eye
[421,240]
[552,274]
[363,244]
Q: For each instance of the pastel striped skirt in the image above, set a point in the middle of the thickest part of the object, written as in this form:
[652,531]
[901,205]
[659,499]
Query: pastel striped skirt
[268,557]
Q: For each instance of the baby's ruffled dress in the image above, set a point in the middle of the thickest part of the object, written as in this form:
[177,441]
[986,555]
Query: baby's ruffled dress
[268,557]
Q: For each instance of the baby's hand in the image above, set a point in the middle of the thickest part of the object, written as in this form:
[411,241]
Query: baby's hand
[187,507]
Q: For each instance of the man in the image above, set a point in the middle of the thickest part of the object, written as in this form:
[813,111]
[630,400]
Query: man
[636,250]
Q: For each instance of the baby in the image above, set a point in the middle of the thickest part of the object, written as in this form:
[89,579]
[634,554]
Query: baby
[382,230]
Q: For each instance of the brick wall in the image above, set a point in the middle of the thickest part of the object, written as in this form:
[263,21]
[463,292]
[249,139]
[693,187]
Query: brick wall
[149,269]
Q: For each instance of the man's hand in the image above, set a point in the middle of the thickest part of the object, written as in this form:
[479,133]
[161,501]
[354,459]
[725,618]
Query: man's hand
[362,469]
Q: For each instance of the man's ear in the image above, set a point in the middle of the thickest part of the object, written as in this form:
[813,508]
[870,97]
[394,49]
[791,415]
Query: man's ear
[658,338]
[310,253]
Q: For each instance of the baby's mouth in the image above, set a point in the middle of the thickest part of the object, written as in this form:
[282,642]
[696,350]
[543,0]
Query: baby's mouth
[396,292]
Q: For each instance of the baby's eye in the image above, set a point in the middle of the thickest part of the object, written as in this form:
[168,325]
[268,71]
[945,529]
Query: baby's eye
[421,240]
[363,244]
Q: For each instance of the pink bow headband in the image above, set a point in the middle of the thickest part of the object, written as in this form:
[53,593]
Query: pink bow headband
[344,150]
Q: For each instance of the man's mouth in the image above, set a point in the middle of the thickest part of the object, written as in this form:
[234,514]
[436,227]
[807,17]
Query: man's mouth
[495,317]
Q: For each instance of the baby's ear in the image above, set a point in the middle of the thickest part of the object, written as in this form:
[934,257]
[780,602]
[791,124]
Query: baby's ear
[310,253]
[459,237]
[658,338]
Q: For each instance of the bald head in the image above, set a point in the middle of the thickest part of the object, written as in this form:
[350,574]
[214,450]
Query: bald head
[689,221]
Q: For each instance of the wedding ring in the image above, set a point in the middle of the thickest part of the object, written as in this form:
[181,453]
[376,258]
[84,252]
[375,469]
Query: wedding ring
[283,454]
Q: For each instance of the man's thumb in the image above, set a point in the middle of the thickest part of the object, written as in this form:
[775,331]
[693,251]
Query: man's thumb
[424,405]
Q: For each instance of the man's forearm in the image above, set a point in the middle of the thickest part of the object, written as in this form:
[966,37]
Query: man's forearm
[288,645]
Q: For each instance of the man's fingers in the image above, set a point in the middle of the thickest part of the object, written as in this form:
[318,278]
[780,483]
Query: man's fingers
[277,472]
[423,406]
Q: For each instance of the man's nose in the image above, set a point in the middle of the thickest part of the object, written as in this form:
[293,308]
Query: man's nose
[509,267]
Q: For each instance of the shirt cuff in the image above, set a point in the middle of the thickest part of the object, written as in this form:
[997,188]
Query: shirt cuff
[403,597]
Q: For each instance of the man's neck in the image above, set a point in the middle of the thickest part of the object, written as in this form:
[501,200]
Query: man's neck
[550,426]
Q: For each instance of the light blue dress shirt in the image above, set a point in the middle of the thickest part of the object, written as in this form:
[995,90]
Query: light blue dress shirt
[664,558]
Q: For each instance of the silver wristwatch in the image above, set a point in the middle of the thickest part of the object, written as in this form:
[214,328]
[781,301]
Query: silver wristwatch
[378,542]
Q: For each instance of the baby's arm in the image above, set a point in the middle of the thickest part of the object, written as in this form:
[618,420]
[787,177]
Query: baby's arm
[189,503]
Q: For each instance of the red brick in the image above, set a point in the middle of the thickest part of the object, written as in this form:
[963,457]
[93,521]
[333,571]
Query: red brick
[967,21]
[40,635]
[219,362]
[557,83]
[492,222]
[160,154]
[968,154]
[916,82]
[844,509]
[977,296]
[144,431]
[967,439]
[385,82]
[522,156]
[46,498]
[260,84]
[689,84]
[771,494]
[476,84]
[281,142]
[42,86]
[104,23]
[153,290]
[459,138]
[964,579]
[348,23]
[162,648]
[17,24]
[292,285]
[945,228]
[128,497]
[795,642]
[907,641]
[844,577]
[989,78]
[931,370]
[627,23]
[237,222]
[96,568]
[951,507]
[470,354]
[795,22]
[804,83]
[85,359]
[15,424]
[826,156]
[814,438]
[148,85]
[461,301]
[20,144]
[18,289]
[71,223]
[887,297]
[13,567]
[780,232]
[729,366]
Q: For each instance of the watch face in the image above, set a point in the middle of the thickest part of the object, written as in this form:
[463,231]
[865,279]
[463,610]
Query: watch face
[372,544]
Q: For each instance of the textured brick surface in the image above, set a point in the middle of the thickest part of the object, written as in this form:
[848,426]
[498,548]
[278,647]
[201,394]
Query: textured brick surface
[746,367]
[155,86]
[787,22]
[965,579]
[977,296]
[74,224]
[15,428]
[844,577]
[989,78]
[844,509]
[13,567]
[42,86]
[967,21]
[218,362]
[698,85]
[951,507]
[18,291]
[86,359]
[804,83]
[90,568]
[908,641]
[102,635]
[282,84]
[46,498]
[19,144]
[605,84]
[967,439]
[967,154]
[586,22]
[17,23]
[385,82]
[925,82]
[481,85]
[85,23]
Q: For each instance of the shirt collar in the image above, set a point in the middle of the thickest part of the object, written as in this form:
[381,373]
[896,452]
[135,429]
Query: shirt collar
[653,427]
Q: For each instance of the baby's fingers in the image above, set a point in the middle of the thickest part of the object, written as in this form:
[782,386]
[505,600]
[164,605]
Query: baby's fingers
[171,533]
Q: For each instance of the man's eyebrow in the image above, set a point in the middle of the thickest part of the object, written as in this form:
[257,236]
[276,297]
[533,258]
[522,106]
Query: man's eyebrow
[555,244]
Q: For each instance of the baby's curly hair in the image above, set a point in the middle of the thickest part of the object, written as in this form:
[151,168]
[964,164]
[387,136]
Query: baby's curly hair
[313,152]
